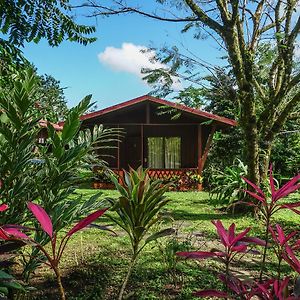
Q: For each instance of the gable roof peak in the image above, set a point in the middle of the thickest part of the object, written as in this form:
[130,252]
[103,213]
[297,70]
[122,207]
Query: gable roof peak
[163,102]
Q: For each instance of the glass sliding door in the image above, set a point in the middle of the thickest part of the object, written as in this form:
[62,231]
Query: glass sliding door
[172,153]
[164,152]
[156,152]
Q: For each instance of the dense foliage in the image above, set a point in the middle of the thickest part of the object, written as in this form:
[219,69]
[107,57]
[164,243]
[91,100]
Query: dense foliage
[46,172]
[23,21]
[227,186]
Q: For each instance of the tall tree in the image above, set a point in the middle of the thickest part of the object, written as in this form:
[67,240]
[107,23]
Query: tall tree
[240,27]
[51,101]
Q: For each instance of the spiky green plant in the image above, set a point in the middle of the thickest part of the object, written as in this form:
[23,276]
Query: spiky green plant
[138,208]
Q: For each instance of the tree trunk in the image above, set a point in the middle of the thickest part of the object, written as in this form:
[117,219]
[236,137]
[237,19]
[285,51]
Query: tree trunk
[249,126]
[266,148]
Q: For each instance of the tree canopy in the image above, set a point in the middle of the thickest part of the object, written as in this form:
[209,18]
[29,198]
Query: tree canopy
[27,21]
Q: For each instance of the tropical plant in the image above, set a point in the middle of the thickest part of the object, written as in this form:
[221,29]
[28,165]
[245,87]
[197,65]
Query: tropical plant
[138,209]
[18,135]
[269,204]
[275,289]
[7,253]
[233,244]
[280,241]
[46,172]
[53,255]
[227,186]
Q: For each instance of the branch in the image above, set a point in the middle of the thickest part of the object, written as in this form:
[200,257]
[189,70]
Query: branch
[107,11]
[223,10]
[294,82]
[259,89]
[204,18]
[285,114]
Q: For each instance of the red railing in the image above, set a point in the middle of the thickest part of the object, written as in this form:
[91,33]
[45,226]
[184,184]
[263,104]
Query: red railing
[180,177]
[168,174]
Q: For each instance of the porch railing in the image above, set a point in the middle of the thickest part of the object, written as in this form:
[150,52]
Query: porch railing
[180,177]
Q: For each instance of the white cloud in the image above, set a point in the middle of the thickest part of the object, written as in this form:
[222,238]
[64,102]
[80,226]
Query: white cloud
[132,59]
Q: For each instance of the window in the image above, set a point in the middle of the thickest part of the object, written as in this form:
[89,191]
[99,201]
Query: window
[164,152]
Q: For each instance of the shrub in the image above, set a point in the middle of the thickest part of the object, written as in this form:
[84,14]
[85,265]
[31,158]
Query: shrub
[227,186]
[46,173]
[54,254]
[138,209]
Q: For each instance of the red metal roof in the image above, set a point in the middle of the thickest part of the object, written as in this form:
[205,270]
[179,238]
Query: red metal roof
[181,107]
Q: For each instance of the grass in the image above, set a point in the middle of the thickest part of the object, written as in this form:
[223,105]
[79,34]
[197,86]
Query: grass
[95,262]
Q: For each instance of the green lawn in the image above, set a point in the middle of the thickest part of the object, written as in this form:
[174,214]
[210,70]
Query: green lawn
[95,262]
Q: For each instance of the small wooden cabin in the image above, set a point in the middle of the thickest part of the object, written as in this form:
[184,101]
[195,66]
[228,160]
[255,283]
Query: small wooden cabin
[168,147]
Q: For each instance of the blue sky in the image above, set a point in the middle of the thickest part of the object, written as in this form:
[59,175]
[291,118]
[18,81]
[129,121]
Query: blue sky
[79,68]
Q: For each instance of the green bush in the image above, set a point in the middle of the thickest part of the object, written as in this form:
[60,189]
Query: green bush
[228,186]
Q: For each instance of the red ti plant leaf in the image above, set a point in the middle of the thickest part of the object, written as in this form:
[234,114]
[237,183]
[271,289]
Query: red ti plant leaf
[279,236]
[42,217]
[211,293]
[287,189]
[15,233]
[239,248]
[11,233]
[255,187]
[253,240]
[292,206]
[199,254]
[3,207]
[259,198]
[222,232]
[239,237]
[3,234]
[86,221]
[291,259]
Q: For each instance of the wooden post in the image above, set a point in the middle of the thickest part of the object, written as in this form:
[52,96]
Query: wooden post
[119,172]
[142,145]
[118,155]
[207,146]
[199,154]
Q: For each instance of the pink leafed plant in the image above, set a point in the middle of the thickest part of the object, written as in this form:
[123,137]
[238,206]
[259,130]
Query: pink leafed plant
[233,243]
[273,289]
[280,240]
[11,232]
[268,205]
